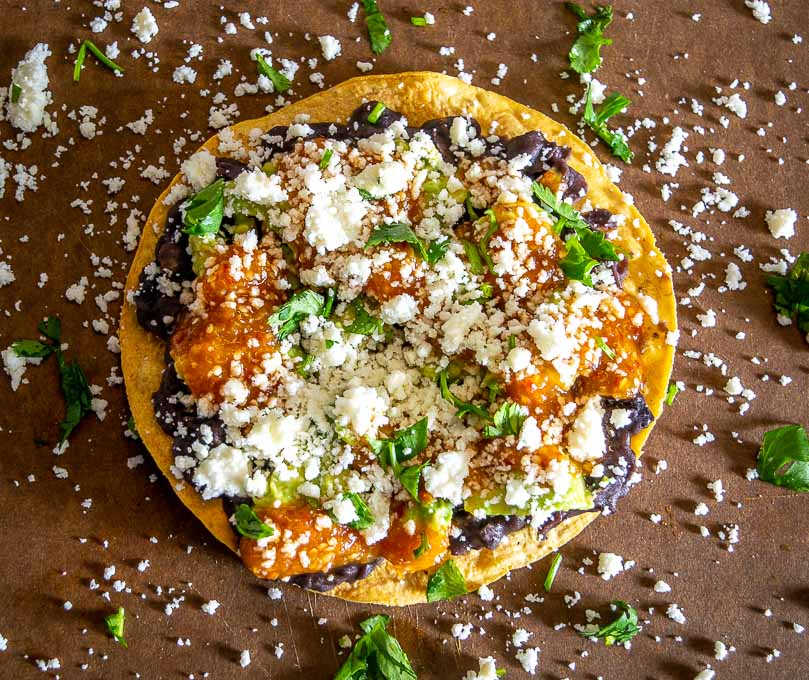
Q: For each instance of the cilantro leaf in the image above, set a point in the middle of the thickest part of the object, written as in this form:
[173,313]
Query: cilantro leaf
[577,264]
[250,525]
[409,478]
[32,349]
[437,249]
[446,583]
[403,445]
[397,232]
[377,655]
[552,571]
[784,458]
[279,81]
[597,122]
[585,54]
[363,322]
[365,517]
[566,215]
[596,244]
[115,625]
[508,419]
[623,629]
[73,381]
[287,318]
[378,31]
[78,397]
[464,407]
[16,91]
[792,292]
[203,212]
[671,393]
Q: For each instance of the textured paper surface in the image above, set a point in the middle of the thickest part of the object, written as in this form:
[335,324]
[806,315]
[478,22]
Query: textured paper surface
[722,594]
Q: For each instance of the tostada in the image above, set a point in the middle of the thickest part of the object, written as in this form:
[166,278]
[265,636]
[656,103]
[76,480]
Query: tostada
[401,328]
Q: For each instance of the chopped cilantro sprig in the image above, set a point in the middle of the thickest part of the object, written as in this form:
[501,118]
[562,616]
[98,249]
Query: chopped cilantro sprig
[250,525]
[403,445]
[377,654]
[446,583]
[203,212]
[586,247]
[399,232]
[287,318]
[279,81]
[585,54]
[792,292]
[597,121]
[378,32]
[623,629]
[75,388]
[507,420]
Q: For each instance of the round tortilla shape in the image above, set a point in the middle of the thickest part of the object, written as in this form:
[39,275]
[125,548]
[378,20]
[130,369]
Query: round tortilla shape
[420,96]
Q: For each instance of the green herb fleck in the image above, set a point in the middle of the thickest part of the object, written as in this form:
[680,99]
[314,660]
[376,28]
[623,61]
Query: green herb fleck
[473,255]
[446,583]
[115,626]
[552,571]
[424,546]
[377,655]
[397,232]
[376,112]
[464,407]
[363,323]
[597,121]
[98,54]
[577,264]
[16,91]
[508,420]
[623,629]
[601,343]
[483,246]
[249,524]
[792,292]
[378,31]
[287,318]
[32,349]
[403,445]
[418,21]
[784,458]
[279,81]
[324,161]
[566,215]
[671,393]
[364,516]
[76,391]
[73,381]
[203,212]
[437,249]
[585,55]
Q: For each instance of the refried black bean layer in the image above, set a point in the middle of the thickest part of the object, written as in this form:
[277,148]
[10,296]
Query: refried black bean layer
[158,307]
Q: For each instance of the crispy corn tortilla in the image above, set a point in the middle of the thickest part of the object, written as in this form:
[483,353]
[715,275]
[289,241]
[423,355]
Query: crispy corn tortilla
[420,96]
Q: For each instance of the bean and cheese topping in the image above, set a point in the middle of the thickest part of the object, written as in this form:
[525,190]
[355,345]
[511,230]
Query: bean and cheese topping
[387,328]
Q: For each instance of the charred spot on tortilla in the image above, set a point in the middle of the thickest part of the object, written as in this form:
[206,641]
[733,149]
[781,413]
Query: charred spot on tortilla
[472,383]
